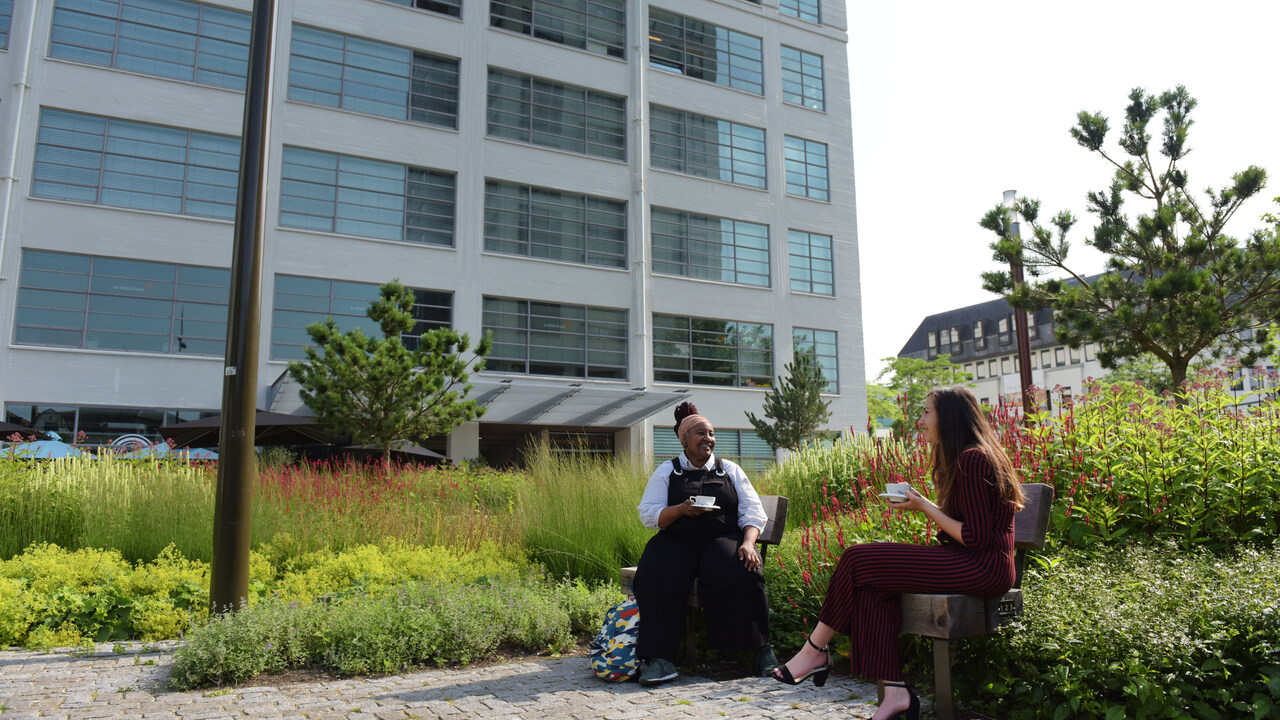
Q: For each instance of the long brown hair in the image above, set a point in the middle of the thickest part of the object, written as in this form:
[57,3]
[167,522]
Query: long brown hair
[962,425]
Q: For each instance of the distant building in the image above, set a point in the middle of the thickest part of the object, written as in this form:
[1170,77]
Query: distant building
[982,341]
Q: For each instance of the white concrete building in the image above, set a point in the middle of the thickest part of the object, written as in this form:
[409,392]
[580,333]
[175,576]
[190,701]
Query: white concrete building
[642,201]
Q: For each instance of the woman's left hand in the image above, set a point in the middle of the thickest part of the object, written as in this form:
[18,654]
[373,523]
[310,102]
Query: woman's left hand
[749,557]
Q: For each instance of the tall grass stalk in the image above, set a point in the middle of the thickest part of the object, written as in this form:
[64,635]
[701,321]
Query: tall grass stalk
[579,513]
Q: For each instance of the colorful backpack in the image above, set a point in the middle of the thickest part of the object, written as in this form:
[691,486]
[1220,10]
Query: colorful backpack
[613,651]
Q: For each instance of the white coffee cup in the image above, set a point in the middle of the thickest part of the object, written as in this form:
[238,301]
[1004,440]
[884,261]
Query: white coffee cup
[896,491]
[704,501]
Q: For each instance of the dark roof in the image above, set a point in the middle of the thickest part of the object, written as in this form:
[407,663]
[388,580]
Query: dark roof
[964,318]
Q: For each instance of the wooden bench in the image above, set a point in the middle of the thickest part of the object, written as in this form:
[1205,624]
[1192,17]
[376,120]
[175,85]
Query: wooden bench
[775,508]
[952,617]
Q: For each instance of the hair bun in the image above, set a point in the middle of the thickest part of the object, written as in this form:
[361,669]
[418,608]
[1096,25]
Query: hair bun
[684,410]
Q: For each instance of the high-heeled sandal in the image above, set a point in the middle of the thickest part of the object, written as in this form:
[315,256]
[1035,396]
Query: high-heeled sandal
[913,710]
[819,674]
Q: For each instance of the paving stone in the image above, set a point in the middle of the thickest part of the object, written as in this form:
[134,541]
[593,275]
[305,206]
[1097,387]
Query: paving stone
[86,687]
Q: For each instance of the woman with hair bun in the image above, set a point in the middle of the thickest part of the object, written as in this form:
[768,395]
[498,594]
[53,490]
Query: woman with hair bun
[978,493]
[713,544]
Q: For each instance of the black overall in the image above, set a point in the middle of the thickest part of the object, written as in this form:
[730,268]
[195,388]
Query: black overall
[703,547]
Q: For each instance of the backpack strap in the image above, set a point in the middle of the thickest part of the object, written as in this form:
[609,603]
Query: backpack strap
[675,466]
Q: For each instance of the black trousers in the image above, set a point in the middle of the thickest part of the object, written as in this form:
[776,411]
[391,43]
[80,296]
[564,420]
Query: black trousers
[736,609]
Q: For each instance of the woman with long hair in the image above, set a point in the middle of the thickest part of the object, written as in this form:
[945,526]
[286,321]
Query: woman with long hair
[978,493]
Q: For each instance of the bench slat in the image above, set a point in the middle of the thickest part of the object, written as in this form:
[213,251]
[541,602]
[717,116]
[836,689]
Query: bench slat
[949,617]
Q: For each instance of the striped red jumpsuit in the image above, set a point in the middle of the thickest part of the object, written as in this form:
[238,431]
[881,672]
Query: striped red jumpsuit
[864,597]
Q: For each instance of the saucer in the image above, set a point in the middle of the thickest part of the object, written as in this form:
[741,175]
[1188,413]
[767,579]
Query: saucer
[717,507]
[894,498]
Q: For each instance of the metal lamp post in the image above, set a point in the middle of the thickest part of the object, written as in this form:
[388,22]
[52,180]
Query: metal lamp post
[1020,317]
[237,466]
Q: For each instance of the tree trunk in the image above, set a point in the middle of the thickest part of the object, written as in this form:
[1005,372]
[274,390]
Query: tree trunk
[1178,374]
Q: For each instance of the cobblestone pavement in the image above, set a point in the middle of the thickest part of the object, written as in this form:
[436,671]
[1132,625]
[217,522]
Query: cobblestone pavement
[132,684]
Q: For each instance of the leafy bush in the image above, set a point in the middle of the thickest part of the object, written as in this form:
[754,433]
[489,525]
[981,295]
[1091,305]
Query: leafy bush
[1137,632]
[392,629]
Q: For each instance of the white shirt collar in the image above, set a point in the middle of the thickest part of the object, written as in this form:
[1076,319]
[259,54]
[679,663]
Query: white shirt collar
[686,462]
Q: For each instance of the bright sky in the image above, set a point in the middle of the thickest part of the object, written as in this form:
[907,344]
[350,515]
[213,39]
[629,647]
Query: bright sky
[956,102]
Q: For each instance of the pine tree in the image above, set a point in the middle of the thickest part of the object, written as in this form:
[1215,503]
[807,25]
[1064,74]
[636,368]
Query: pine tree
[380,392]
[1176,285]
[795,405]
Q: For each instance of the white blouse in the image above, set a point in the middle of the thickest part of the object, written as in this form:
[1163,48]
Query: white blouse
[654,500]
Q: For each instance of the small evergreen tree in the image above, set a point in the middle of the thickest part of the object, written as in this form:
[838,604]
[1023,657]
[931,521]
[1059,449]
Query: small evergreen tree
[380,392]
[795,405]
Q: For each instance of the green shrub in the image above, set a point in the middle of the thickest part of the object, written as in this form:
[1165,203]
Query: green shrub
[33,511]
[393,628]
[1136,632]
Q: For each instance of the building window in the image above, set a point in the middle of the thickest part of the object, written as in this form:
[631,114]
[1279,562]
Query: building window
[107,161]
[803,9]
[556,225]
[1002,330]
[979,335]
[1067,401]
[124,428]
[1006,365]
[802,78]
[980,368]
[166,38]
[539,338]
[822,347]
[1060,356]
[1089,352]
[452,8]
[704,351]
[933,344]
[1035,360]
[1046,359]
[811,267]
[992,369]
[352,73]
[301,301]
[710,248]
[807,168]
[103,303]
[6,16]
[707,147]
[599,26]
[741,446]
[1074,354]
[701,50]
[566,117]
[956,346]
[1033,330]
[369,198]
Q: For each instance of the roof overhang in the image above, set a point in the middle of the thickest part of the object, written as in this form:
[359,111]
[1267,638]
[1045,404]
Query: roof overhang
[532,401]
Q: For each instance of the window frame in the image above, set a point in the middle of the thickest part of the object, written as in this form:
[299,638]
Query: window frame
[674,155]
[684,331]
[808,263]
[449,8]
[532,21]
[121,304]
[81,170]
[733,247]
[368,77]
[542,212]
[826,345]
[215,27]
[801,9]
[356,185]
[599,112]
[340,307]
[605,331]
[801,163]
[672,47]
[801,75]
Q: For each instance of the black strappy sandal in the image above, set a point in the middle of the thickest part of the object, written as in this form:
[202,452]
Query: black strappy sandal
[819,674]
[913,710]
